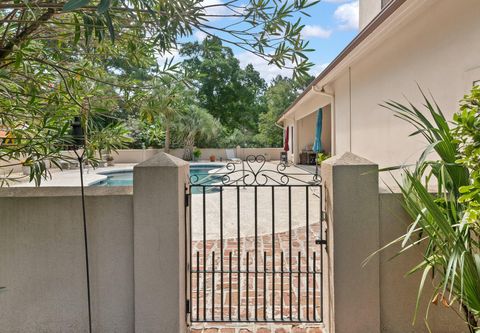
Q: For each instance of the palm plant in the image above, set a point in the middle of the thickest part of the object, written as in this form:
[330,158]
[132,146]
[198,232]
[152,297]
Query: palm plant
[195,124]
[451,242]
[161,105]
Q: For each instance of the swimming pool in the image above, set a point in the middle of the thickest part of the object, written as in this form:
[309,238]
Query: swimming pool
[125,177]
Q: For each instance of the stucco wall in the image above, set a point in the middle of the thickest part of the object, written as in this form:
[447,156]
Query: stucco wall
[397,292]
[139,155]
[306,131]
[42,260]
[436,48]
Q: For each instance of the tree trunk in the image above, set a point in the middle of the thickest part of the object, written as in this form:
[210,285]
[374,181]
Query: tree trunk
[167,139]
[188,150]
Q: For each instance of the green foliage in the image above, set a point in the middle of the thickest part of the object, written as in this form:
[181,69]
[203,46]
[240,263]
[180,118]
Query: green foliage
[192,125]
[59,60]
[467,134]
[145,134]
[441,221]
[278,96]
[109,138]
[230,93]
[322,157]
[196,153]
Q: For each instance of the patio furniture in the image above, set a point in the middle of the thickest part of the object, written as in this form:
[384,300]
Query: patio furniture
[308,157]
[231,156]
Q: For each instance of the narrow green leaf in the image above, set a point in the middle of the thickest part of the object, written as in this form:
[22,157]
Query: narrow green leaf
[74,4]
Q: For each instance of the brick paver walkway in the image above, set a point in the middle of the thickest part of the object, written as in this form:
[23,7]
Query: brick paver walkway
[290,289]
[228,328]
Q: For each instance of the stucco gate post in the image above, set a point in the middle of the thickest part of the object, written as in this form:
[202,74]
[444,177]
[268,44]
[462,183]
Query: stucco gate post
[159,248]
[352,206]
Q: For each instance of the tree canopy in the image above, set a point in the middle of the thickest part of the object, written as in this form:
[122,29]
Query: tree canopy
[102,59]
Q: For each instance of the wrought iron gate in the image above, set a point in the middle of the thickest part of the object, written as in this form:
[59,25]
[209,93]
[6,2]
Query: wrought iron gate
[255,244]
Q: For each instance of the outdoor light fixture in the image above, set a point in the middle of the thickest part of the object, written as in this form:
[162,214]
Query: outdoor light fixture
[78,142]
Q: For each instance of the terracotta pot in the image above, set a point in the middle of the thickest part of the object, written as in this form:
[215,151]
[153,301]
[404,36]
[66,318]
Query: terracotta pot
[212,158]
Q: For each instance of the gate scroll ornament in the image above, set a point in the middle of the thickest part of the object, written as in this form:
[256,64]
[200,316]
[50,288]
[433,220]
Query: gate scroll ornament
[254,171]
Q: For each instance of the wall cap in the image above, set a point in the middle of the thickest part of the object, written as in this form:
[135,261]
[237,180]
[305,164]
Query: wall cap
[348,158]
[64,191]
[162,160]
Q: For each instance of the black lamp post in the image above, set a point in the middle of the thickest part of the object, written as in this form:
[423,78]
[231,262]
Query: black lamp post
[78,137]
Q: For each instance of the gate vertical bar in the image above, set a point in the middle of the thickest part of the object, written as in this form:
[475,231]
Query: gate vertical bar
[290,251]
[281,286]
[198,285]
[273,253]
[314,286]
[213,285]
[190,239]
[322,248]
[307,248]
[264,285]
[238,252]
[299,276]
[204,255]
[256,252]
[247,289]
[221,253]
[230,285]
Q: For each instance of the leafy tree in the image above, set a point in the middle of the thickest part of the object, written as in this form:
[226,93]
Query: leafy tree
[162,103]
[56,56]
[279,95]
[230,93]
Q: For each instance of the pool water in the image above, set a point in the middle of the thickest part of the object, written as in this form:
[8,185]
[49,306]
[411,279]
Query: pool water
[125,178]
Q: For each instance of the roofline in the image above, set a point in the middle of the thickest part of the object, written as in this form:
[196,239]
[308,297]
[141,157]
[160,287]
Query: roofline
[362,35]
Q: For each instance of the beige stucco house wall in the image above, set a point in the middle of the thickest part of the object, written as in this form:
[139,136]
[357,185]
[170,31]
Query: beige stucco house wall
[432,43]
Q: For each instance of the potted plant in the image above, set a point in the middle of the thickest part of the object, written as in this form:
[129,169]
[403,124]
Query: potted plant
[213,158]
[110,160]
[322,157]
[196,154]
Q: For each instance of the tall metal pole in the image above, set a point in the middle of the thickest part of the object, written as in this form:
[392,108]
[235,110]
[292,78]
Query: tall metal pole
[85,238]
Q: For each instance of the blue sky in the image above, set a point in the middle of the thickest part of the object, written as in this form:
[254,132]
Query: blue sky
[331,26]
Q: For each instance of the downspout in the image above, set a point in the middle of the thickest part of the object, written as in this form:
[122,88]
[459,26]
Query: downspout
[321,91]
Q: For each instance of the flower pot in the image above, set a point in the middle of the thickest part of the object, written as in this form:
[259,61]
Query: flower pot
[213,158]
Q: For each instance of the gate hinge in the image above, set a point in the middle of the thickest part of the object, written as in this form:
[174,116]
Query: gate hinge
[187,199]
[324,216]
[187,306]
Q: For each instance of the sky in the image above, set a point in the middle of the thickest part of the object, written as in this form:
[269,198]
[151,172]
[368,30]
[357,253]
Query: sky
[331,26]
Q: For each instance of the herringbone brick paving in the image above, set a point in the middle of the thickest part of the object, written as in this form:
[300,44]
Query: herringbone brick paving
[301,290]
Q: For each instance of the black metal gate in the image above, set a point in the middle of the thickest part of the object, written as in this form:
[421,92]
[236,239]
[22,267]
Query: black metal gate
[255,243]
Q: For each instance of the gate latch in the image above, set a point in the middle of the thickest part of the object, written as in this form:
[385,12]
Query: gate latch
[319,241]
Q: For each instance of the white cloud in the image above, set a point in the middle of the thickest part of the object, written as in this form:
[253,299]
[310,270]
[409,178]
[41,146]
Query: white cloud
[267,72]
[347,16]
[200,35]
[336,1]
[316,31]
[215,7]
